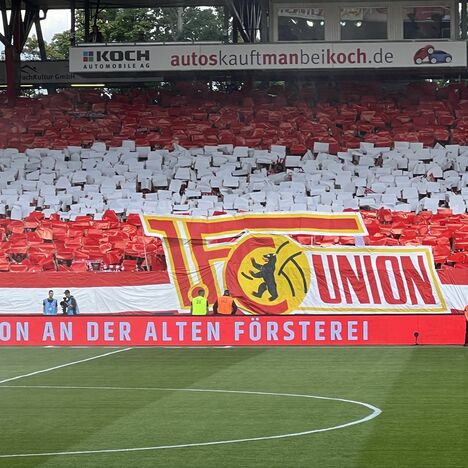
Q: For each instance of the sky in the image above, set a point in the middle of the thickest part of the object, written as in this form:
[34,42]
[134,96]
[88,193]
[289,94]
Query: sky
[56,21]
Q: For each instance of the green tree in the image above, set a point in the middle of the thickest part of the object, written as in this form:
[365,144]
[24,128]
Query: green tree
[61,42]
[161,24]
[54,50]
[203,25]
[127,25]
[140,25]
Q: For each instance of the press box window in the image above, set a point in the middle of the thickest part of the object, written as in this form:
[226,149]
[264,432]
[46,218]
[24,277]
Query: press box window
[301,24]
[431,22]
[363,23]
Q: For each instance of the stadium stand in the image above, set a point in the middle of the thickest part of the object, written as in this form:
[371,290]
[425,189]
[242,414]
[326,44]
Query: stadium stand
[342,115]
[78,166]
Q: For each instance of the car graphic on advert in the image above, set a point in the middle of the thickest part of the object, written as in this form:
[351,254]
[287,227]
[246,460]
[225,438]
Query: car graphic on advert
[439,56]
[428,54]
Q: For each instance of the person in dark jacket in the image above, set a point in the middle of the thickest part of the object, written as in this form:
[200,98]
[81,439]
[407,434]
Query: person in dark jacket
[69,304]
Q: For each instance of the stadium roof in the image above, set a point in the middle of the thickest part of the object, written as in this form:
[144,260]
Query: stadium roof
[66,4]
[80,4]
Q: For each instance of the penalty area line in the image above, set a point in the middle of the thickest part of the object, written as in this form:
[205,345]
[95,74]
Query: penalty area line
[49,369]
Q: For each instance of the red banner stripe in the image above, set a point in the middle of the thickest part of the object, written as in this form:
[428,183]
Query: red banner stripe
[69,280]
[455,276]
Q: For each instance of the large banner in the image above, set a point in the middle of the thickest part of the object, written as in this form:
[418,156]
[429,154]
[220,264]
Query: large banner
[259,258]
[268,272]
[232,331]
[119,58]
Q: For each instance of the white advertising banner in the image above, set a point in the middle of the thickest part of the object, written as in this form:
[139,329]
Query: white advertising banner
[280,56]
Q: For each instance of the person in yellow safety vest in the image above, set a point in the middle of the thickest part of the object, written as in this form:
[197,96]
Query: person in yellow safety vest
[225,305]
[199,304]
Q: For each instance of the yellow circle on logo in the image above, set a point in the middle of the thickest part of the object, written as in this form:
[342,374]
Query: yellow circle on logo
[275,274]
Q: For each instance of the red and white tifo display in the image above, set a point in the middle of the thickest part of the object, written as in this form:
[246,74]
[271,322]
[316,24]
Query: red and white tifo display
[356,294]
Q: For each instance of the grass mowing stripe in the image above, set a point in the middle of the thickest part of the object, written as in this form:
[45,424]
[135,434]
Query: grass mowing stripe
[42,371]
[375,412]
[426,413]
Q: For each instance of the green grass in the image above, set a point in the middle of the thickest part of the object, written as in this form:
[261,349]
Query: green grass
[422,392]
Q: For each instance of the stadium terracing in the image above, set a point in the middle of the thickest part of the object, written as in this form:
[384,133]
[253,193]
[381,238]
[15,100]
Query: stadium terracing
[324,108]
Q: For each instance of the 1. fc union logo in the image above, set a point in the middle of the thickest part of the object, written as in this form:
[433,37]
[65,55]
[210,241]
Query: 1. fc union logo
[268,272]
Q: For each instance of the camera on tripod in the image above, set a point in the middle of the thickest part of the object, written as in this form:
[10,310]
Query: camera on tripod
[64,305]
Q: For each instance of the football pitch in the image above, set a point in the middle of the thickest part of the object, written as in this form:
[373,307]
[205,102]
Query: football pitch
[234,407]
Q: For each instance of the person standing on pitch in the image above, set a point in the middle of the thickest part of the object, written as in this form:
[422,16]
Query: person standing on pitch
[225,304]
[50,305]
[69,304]
[199,304]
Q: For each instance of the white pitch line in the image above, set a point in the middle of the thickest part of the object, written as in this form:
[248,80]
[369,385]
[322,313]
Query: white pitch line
[43,371]
[375,412]
[188,347]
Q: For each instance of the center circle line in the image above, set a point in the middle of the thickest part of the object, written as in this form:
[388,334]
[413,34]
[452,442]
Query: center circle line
[375,412]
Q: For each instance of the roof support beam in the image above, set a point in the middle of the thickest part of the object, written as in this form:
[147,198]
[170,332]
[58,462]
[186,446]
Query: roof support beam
[247,14]
[72,23]
[265,21]
[464,20]
[16,30]
[87,20]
